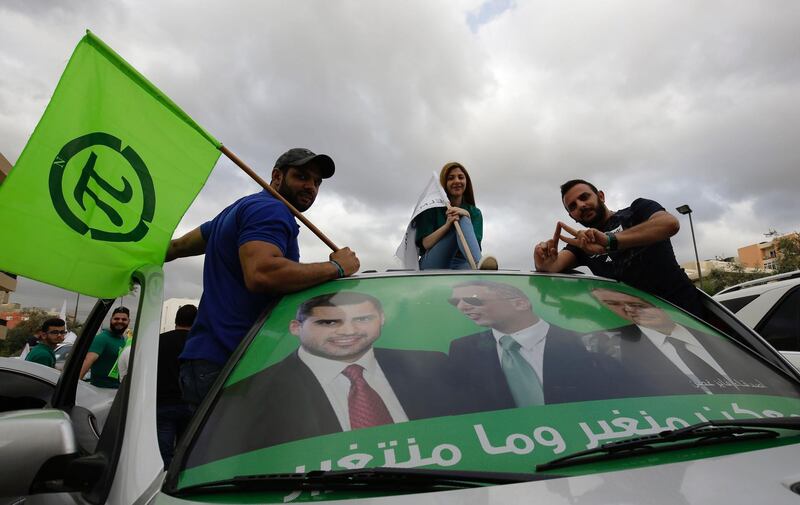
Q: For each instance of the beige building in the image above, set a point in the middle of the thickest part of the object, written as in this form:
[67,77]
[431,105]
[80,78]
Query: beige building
[708,266]
[8,283]
[762,255]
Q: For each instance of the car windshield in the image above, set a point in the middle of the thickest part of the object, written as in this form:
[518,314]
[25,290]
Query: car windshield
[470,372]
[62,352]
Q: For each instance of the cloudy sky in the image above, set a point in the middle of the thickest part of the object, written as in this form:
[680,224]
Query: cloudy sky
[680,102]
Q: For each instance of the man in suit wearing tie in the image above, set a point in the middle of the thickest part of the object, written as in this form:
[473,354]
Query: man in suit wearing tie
[662,357]
[521,360]
[336,381]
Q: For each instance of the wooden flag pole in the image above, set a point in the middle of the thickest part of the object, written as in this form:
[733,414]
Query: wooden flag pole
[261,182]
[467,250]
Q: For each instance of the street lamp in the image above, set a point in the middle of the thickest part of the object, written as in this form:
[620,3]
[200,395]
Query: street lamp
[684,209]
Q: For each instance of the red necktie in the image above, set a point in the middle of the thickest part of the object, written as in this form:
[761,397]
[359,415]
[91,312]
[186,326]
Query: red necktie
[365,406]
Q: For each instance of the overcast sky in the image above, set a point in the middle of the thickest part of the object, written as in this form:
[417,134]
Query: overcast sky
[680,102]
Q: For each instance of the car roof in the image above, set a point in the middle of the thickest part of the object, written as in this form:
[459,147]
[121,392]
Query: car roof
[759,286]
[372,274]
[40,371]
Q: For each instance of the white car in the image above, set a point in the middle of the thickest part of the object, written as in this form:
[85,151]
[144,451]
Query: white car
[24,384]
[464,418]
[770,306]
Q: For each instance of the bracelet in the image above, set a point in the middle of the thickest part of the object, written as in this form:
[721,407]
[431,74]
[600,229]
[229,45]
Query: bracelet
[612,241]
[339,268]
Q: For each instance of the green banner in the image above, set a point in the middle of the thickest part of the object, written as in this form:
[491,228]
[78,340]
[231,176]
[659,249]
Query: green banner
[412,372]
[509,440]
[104,180]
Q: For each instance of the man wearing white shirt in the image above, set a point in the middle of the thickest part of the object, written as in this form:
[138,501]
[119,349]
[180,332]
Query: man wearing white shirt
[664,357]
[521,360]
[336,381]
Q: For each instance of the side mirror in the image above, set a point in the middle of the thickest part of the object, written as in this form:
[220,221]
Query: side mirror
[38,445]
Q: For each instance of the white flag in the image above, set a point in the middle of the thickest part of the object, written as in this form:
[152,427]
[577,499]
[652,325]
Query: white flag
[70,336]
[63,314]
[432,196]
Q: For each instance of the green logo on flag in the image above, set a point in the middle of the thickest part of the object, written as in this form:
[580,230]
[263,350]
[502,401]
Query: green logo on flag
[103,195]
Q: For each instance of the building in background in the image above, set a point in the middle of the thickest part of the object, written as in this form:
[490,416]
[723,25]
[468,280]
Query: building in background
[708,266]
[8,282]
[170,309]
[762,255]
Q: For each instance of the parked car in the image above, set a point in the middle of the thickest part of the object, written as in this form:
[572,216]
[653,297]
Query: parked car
[441,388]
[771,306]
[24,384]
[62,353]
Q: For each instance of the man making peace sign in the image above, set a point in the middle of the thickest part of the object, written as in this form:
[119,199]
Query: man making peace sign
[631,245]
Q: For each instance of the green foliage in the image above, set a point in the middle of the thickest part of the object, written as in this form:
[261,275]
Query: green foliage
[15,340]
[788,253]
[718,280]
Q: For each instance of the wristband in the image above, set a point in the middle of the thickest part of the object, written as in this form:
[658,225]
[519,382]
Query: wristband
[339,268]
[612,241]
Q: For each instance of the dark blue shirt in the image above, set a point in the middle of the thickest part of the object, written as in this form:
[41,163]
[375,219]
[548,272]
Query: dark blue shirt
[227,309]
[651,268]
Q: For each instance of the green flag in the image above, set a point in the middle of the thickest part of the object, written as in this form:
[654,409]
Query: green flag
[104,179]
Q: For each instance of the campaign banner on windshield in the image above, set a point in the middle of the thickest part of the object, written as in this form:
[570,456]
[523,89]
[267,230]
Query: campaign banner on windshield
[473,372]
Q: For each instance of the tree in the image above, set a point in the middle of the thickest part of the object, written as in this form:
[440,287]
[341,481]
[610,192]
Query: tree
[16,337]
[788,257]
[717,280]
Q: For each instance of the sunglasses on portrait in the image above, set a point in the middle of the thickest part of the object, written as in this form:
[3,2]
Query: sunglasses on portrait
[474,300]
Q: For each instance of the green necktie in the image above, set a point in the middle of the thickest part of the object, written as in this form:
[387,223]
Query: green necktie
[522,379]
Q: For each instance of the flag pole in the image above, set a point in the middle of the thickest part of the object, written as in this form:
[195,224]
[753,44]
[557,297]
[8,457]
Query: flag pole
[459,232]
[261,182]
[463,240]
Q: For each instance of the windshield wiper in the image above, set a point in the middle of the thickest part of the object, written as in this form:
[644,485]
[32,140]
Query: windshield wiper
[706,433]
[367,479]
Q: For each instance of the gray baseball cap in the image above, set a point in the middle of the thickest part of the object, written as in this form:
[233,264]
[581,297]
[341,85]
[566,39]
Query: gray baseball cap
[299,156]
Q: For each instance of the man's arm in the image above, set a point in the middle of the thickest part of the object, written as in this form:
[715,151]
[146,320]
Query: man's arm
[191,244]
[661,225]
[548,259]
[88,361]
[265,269]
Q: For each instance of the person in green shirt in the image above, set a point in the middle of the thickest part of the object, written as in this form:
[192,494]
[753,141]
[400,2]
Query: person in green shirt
[435,234]
[52,333]
[105,349]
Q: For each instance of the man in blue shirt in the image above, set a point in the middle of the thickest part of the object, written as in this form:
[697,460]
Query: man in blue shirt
[252,257]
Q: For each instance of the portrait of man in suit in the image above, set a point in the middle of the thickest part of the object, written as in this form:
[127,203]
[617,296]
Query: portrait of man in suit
[335,381]
[662,357]
[521,360]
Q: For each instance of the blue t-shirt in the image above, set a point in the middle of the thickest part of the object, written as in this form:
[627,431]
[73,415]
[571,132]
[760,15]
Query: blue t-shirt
[227,309]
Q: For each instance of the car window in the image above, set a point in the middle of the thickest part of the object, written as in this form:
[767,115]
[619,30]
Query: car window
[781,327]
[470,372]
[737,304]
[19,391]
[62,353]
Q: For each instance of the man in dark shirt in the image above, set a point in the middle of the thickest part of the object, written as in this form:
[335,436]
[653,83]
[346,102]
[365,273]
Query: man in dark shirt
[631,245]
[172,414]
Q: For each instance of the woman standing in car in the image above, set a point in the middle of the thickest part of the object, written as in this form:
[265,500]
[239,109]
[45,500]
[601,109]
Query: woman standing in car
[436,236]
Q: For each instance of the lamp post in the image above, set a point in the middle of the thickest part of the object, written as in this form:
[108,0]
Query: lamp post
[684,209]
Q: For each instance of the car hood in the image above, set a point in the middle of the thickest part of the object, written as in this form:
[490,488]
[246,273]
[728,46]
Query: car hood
[762,476]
